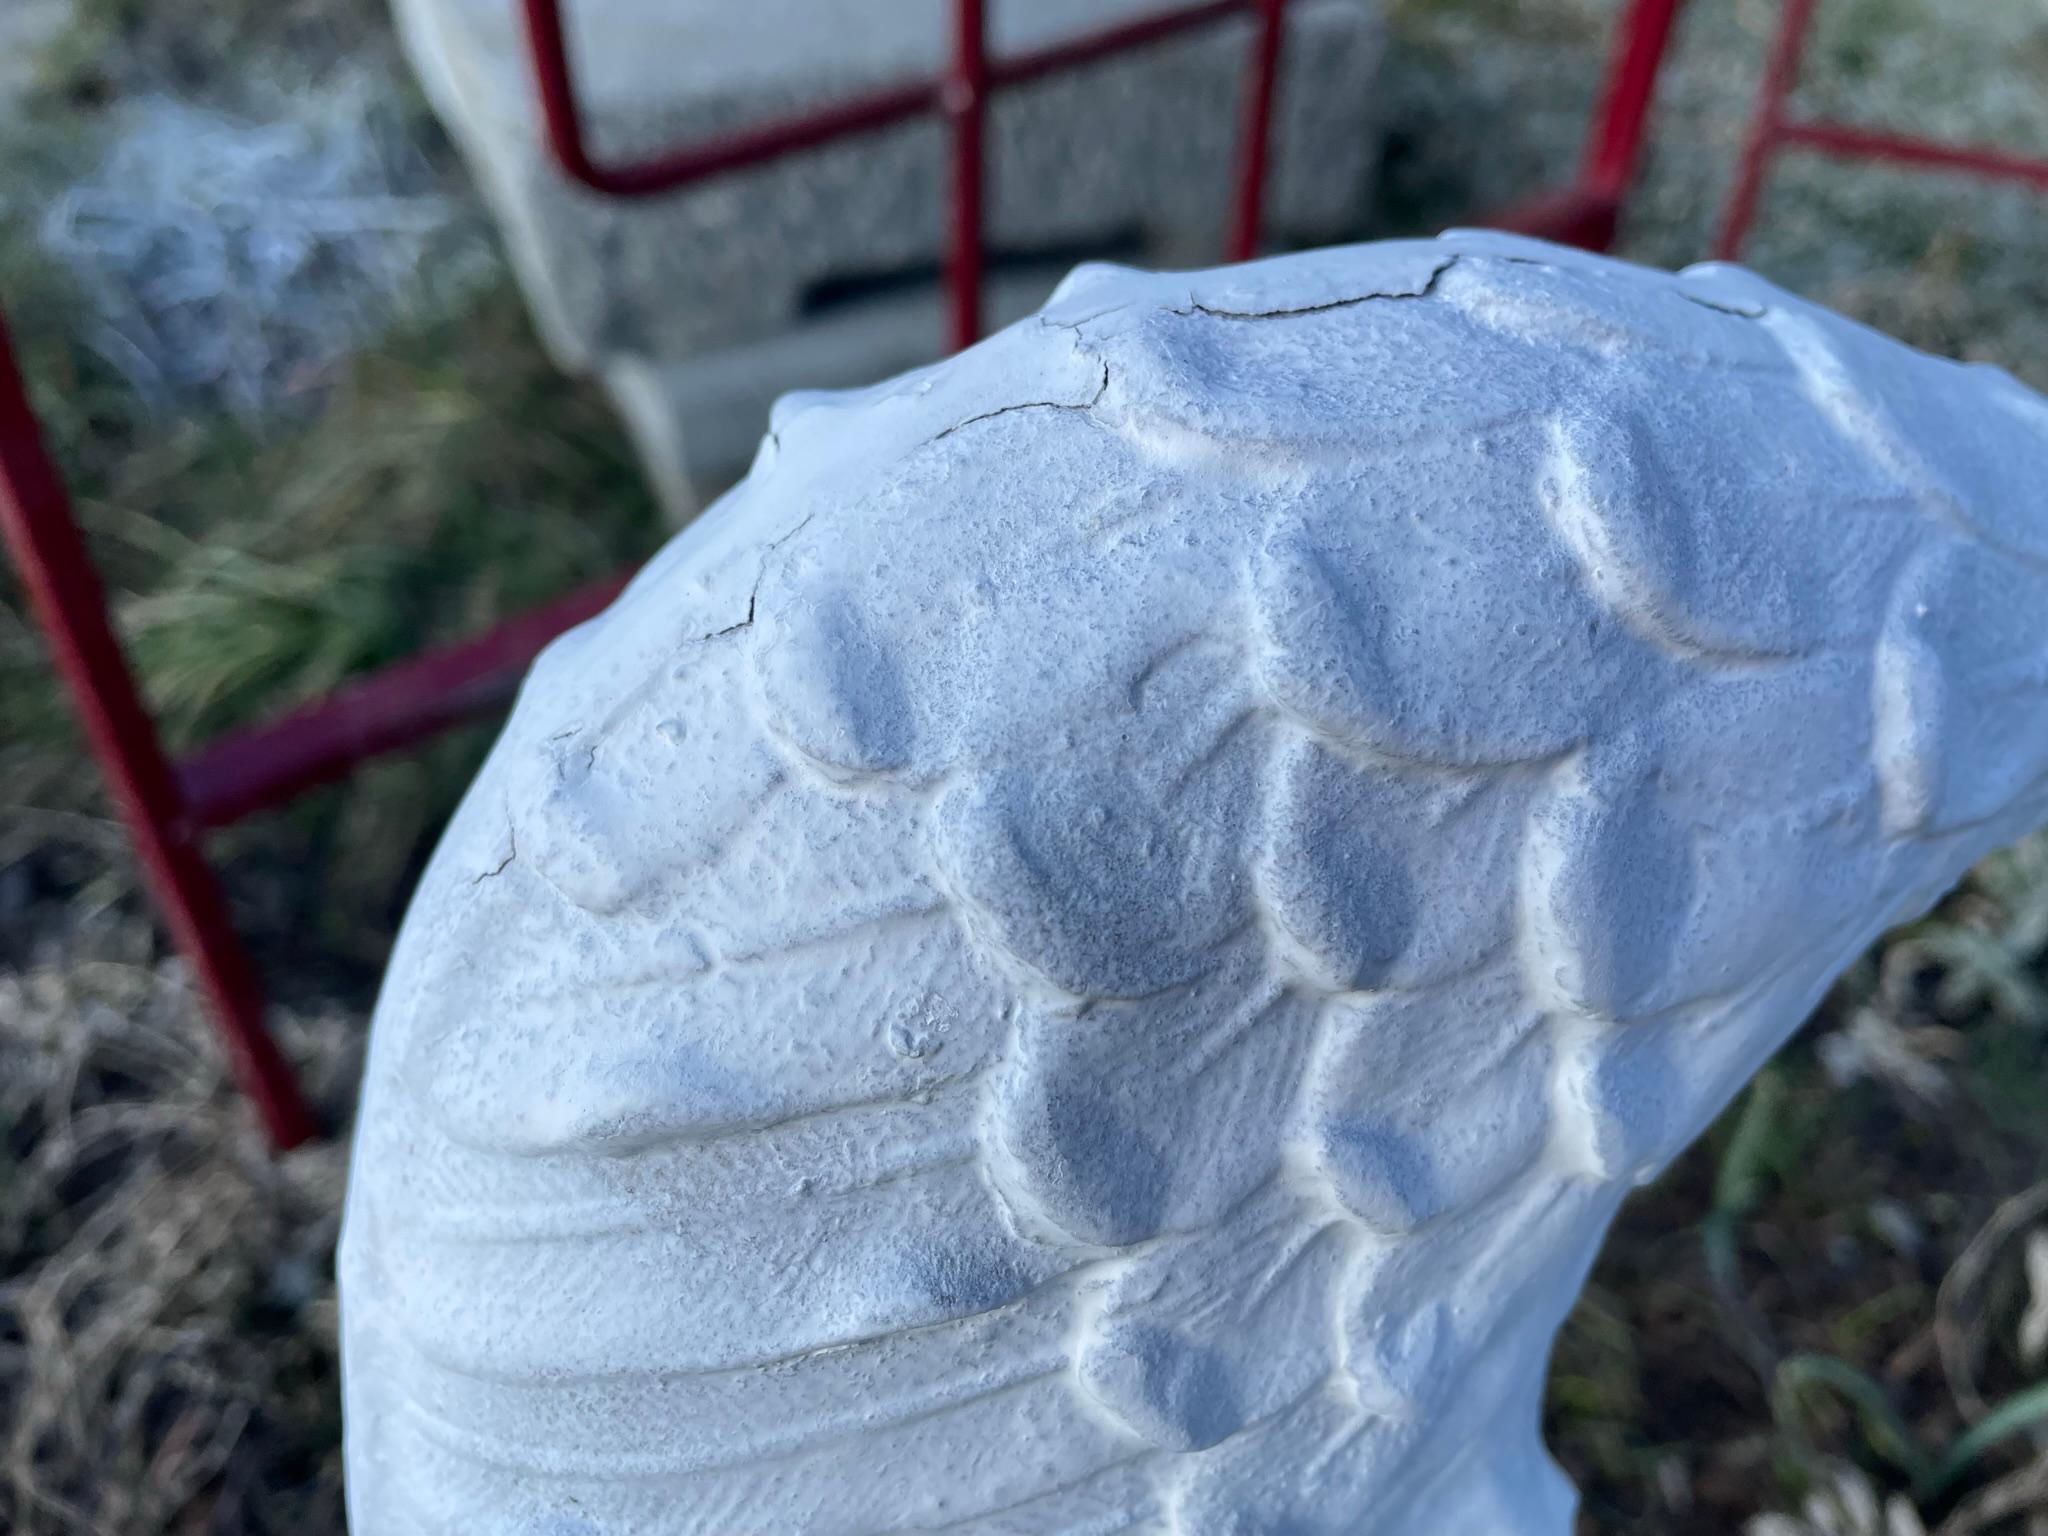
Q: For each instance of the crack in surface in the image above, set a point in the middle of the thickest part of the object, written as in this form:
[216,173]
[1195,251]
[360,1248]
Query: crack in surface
[503,864]
[1428,288]
[1079,321]
[1741,309]
[754,595]
[1089,404]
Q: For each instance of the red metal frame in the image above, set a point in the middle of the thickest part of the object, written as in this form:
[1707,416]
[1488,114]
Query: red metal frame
[963,98]
[1773,128]
[168,805]
[64,593]
[959,96]
[270,764]
[1588,210]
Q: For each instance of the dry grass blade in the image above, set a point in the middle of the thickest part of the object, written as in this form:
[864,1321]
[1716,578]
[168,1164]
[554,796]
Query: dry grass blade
[2024,1492]
[1955,1305]
[2033,1334]
[167,1344]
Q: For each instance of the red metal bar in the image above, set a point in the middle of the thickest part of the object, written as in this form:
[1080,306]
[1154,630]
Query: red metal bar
[65,594]
[1766,127]
[251,770]
[1573,215]
[961,96]
[731,152]
[1255,136]
[270,764]
[964,99]
[1614,146]
[1772,130]
[1870,144]
[1587,213]
[563,119]
[550,49]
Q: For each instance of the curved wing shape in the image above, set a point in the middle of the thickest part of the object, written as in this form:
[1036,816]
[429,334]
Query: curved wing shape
[1094,948]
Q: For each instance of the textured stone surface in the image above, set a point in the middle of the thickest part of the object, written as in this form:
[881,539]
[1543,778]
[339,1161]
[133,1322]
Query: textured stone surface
[676,302]
[1095,947]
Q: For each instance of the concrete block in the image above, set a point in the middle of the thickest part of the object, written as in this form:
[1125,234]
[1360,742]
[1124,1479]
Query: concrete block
[1130,157]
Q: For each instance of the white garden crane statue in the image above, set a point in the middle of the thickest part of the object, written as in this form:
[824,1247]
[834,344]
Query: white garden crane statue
[1095,947]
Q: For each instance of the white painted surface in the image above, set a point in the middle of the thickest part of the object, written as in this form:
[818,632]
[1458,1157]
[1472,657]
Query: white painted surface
[1094,948]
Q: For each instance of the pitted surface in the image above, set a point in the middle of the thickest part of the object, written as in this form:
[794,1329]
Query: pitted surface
[1093,949]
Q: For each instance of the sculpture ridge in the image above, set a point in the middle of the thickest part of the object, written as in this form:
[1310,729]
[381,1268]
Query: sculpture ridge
[1095,947]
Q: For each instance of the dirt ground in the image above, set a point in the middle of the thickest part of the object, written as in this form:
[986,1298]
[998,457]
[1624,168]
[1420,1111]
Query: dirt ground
[303,448]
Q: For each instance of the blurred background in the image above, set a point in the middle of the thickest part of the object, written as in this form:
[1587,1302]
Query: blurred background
[311,423]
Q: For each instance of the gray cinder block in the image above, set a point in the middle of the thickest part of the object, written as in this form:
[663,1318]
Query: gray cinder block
[819,270]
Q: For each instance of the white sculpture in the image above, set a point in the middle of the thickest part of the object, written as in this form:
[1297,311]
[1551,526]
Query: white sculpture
[1095,947]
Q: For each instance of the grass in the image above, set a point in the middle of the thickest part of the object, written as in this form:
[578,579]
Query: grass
[168,1356]
[116,48]
[1817,1311]
[1832,1277]
[167,1331]
[448,479]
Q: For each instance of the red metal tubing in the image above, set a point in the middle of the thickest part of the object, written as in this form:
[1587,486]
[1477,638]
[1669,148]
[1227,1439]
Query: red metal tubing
[961,96]
[546,41]
[729,152]
[563,119]
[1587,213]
[1869,144]
[1575,215]
[1771,130]
[65,594]
[1614,147]
[268,765]
[1255,135]
[1766,127]
[964,98]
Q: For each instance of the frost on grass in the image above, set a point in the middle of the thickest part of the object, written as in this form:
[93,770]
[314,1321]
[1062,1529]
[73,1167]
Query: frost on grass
[238,258]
